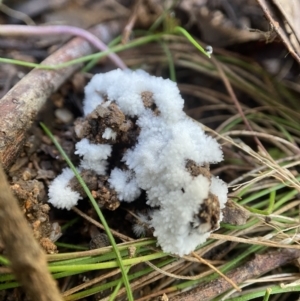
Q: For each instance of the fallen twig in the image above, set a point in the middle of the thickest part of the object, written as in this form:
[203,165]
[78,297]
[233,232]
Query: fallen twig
[259,265]
[19,107]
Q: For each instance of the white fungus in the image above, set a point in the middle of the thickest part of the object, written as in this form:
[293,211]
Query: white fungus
[60,195]
[143,223]
[94,155]
[125,185]
[186,207]
[109,134]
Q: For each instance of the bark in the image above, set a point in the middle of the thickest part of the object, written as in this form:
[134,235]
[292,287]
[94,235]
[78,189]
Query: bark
[19,107]
[28,261]
[259,265]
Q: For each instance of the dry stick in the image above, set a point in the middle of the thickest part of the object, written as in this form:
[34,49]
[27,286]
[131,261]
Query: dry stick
[91,282]
[254,241]
[128,28]
[260,265]
[19,107]
[16,14]
[270,14]
[217,271]
[28,261]
[97,224]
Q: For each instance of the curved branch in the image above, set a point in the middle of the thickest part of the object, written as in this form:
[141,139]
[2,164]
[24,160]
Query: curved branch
[23,30]
[19,107]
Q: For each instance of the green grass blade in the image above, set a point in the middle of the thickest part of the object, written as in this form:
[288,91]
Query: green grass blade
[97,209]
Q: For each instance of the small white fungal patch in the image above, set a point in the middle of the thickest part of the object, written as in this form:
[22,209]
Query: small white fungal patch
[142,224]
[125,184]
[109,134]
[139,230]
[94,155]
[60,195]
